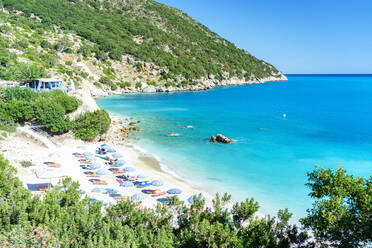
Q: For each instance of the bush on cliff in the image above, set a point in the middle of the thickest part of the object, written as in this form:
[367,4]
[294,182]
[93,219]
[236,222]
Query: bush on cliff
[91,124]
[52,115]
[17,110]
[48,108]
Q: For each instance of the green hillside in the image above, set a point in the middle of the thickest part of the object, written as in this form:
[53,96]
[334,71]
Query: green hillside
[151,32]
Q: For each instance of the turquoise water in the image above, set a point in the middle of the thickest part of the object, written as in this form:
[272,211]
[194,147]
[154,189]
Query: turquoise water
[328,123]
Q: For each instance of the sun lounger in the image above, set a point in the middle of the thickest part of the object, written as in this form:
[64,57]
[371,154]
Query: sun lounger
[151,191]
[99,182]
[79,155]
[144,185]
[93,175]
[122,198]
[45,187]
[119,181]
[159,194]
[52,164]
[139,183]
[84,161]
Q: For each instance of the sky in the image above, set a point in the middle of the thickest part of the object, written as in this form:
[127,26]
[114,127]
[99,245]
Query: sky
[296,36]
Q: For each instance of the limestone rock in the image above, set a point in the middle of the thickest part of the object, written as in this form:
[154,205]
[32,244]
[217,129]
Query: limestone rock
[219,138]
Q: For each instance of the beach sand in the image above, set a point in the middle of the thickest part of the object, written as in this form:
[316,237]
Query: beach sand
[27,145]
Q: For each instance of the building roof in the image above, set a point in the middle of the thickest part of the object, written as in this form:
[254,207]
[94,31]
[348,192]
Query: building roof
[47,79]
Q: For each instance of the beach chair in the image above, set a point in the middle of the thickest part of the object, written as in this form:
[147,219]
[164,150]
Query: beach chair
[122,198]
[84,161]
[52,164]
[144,185]
[141,182]
[93,175]
[151,191]
[99,182]
[159,194]
[45,187]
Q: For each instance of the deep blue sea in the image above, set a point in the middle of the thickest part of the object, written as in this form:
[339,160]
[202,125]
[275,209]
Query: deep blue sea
[283,129]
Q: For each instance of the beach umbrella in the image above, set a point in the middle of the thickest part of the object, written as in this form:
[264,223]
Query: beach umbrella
[117,155]
[141,175]
[88,154]
[110,190]
[163,200]
[95,166]
[54,155]
[174,191]
[90,158]
[127,184]
[191,198]
[119,163]
[129,169]
[157,183]
[97,190]
[107,148]
[138,197]
[102,172]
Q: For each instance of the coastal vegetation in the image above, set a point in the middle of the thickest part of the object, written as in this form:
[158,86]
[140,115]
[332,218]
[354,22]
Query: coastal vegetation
[145,30]
[340,217]
[91,124]
[50,109]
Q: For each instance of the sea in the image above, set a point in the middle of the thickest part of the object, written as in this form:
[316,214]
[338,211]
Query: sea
[283,130]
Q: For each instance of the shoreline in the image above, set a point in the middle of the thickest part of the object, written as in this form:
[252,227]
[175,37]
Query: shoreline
[201,86]
[37,150]
[25,139]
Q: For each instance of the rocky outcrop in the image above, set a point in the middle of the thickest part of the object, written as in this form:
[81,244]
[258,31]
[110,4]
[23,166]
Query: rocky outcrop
[219,138]
[149,89]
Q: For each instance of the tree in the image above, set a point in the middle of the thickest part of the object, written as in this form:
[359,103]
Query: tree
[342,212]
[91,124]
[30,72]
[52,115]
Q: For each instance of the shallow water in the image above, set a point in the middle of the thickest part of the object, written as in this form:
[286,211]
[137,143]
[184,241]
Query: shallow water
[283,129]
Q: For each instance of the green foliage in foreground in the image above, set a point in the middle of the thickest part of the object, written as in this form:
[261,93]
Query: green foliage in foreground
[91,124]
[342,212]
[63,219]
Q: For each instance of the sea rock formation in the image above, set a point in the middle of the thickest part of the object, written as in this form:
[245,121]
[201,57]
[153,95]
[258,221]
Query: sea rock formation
[219,138]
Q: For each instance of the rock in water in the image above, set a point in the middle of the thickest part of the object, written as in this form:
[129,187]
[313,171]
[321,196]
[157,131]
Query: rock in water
[219,138]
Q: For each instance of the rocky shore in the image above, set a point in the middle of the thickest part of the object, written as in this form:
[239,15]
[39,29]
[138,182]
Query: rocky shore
[202,85]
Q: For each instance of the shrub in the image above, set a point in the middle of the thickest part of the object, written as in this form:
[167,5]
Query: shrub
[91,124]
[84,74]
[45,44]
[69,103]
[52,115]
[26,164]
[68,63]
[138,85]
[124,84]
[17,93]
[21,45]
[113,86]
[105,80]
[18,110]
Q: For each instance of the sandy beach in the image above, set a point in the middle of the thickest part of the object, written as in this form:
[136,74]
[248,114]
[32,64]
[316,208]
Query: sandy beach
[28,145]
